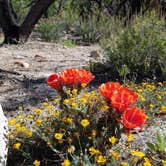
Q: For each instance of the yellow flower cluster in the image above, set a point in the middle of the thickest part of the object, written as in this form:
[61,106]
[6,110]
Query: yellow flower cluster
[66,125]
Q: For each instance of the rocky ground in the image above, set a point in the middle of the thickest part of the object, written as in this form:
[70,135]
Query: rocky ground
[24,69]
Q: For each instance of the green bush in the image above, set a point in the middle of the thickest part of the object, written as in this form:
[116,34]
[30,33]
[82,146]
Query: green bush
[140,49]
[51,30]
[93,30]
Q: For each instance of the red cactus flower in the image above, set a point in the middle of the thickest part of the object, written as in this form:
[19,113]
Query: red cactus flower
[133,118]
[55,81]
[123,98]
[85,76]
[70,76]
[76,76]
[108,89]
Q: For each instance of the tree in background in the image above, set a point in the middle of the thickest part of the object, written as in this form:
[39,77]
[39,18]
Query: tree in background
[15,32]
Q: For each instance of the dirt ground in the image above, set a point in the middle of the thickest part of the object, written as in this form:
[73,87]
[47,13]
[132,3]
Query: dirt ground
[24,69]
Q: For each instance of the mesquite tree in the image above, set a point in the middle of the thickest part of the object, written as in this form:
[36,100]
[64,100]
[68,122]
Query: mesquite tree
[15,32]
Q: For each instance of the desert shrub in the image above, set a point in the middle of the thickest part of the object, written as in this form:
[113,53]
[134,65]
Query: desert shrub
[93,30]
[139,51]
[51,29]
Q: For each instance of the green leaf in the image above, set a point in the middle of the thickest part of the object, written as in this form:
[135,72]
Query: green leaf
[159,138]
[151,146]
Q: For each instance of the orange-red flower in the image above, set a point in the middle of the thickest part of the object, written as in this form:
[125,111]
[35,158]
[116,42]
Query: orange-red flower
[70,76]
[76,76]
[108,89]
[85,76]
[55,81]
[133,118]
[123,98]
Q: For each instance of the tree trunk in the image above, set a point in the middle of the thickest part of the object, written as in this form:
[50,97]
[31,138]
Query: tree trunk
[8,22]
[33,16]
[12,31]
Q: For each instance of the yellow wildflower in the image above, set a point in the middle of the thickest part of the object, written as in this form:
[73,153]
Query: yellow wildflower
[143,83]
[17,126]
[137,153]
[74,91]
[94,151]
[100,159]
[11,136]
[19,116]
[49,143]
[163,162]
[38,111]
[11,122]
[50,107]
[105,108]
[38,122]
[83,100]
[163,108]
[29,133]
[130,137]
[123,163]
[151,105]
[69,140]
[58,136]
[85,122]
[65,163]
[115,155]
[56,114]
[93,133]
[139,90]
[66,101]
[30,117]
[74,105]
[142,99]
[67,120]
[158,97]
[83,85]
[16,145]
[55,100]
[71,149]
[86,95]
[160,83]
[36,163]
[146,162]
[48,111]
[112,139]
[45,104]
[23,129]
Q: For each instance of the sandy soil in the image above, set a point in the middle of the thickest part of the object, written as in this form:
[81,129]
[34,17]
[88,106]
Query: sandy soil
[24,68]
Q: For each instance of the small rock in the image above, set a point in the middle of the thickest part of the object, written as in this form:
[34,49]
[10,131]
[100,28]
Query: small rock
[96,54]
[40,58]
[22,64]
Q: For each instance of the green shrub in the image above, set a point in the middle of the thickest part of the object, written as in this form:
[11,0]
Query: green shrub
[141,48]
[51,30]
[93,30]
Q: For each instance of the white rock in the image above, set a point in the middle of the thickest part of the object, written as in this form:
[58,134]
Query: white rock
[3,138]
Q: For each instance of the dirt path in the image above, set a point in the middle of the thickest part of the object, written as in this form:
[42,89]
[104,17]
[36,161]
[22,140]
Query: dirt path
[24,68]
